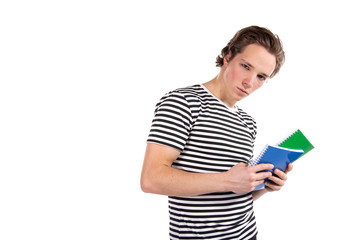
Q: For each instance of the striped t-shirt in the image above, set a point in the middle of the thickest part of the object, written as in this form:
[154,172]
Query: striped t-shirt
[211,138]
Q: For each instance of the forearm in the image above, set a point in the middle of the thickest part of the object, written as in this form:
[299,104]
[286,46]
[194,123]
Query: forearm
[257,194]
[174,182]
[159,177]
[166,180]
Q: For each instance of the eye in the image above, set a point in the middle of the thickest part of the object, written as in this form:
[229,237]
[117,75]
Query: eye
[245,66]
[261,77]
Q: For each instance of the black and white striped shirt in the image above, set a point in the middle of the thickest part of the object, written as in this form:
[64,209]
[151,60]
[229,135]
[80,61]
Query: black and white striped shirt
[211,138]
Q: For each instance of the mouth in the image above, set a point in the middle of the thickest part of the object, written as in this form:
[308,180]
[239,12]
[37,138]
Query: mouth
[243,91]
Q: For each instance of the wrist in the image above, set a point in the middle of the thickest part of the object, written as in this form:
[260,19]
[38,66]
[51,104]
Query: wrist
[223,182]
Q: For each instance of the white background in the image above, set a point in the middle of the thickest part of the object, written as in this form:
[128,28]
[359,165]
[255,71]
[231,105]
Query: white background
[79,81]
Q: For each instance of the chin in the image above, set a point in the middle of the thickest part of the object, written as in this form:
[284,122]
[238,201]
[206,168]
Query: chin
[240,98]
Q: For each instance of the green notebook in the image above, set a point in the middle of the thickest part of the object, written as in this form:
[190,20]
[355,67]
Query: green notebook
[297,140]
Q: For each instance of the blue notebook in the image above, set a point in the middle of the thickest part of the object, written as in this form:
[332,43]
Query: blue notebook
[278,156]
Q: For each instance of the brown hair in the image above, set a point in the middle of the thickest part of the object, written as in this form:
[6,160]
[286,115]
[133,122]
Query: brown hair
[254,35]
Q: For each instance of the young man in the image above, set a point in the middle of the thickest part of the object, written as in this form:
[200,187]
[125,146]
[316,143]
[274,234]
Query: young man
[200,144]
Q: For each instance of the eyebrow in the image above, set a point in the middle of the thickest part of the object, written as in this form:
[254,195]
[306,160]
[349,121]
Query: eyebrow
[250,65]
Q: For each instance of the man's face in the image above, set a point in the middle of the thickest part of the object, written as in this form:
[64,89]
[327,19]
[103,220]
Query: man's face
[247,71]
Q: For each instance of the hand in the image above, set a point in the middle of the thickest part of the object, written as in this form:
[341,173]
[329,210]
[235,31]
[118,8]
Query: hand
[278,181]
[243,179]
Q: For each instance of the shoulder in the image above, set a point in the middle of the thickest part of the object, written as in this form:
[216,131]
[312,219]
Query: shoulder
[186,101]
[191,93]
[182,101]
[188,97]
[249,120]
[246,116]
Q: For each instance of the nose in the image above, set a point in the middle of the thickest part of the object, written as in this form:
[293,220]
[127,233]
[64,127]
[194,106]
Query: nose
[249,79]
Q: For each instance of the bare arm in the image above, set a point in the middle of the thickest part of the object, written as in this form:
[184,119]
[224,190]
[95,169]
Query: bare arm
[159,177]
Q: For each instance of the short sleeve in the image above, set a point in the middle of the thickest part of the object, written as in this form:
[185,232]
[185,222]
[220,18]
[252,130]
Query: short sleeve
[172,121]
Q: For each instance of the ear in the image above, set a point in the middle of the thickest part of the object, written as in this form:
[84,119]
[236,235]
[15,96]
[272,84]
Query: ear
[227,58]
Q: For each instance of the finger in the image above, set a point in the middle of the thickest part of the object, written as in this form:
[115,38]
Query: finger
[261,167]
[259,182]
[262,175]
[282,175]
[277,181]
[289,168]
[272,186]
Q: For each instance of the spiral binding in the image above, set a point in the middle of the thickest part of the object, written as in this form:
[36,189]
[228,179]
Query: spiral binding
[286,138]
[257,159]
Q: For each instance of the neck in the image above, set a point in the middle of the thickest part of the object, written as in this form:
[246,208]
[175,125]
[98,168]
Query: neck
[217,87]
